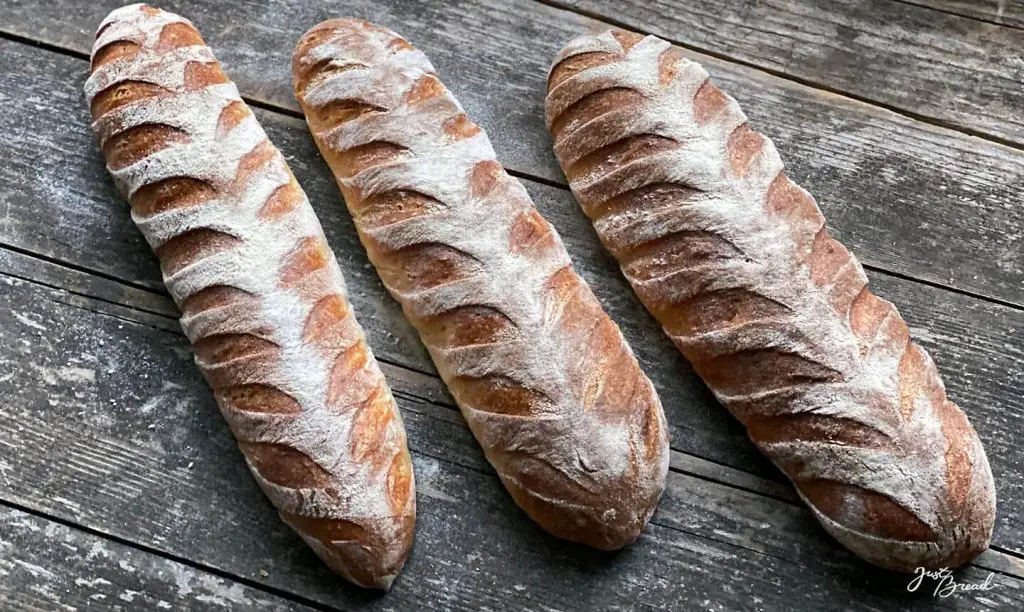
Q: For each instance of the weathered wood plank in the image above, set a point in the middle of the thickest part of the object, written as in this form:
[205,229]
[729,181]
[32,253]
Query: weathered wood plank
[951,69]
[88,284]
[781,531]
[126,440]
[890,186]
[997,561]
[45,565]
[774,486]
[1004,12]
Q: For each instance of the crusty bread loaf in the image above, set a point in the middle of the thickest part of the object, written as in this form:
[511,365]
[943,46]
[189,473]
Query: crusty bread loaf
[543,376]
[734,260]
[262,298]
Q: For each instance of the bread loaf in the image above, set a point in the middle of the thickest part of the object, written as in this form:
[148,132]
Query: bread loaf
[735,262]
[542,375]
[262,298]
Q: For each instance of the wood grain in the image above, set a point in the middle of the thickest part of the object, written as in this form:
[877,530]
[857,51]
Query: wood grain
[1004,12]
[46,565]
[86,224]
[890,186]
[941,66]
[127,440]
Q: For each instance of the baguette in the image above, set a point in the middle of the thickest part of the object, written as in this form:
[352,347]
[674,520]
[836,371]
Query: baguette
[262,298]
[735,262]
[543,377]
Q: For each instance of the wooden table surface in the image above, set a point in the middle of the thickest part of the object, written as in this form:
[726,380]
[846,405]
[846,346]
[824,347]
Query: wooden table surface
[121,487]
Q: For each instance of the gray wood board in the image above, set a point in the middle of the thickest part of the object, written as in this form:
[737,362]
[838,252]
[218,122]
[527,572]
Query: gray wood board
[1004,12]
[47,565]
[977,344]
[941,66]
[906,196]
[127,441]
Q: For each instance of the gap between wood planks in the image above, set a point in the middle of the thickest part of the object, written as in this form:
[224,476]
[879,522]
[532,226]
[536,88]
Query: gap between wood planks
[156,552]
[996,559]
[909,114]
[937,9]
[290,112]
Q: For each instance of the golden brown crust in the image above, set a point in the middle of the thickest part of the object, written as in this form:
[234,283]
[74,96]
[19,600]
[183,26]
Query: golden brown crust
[734,260]
[543,376]
[261,295]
